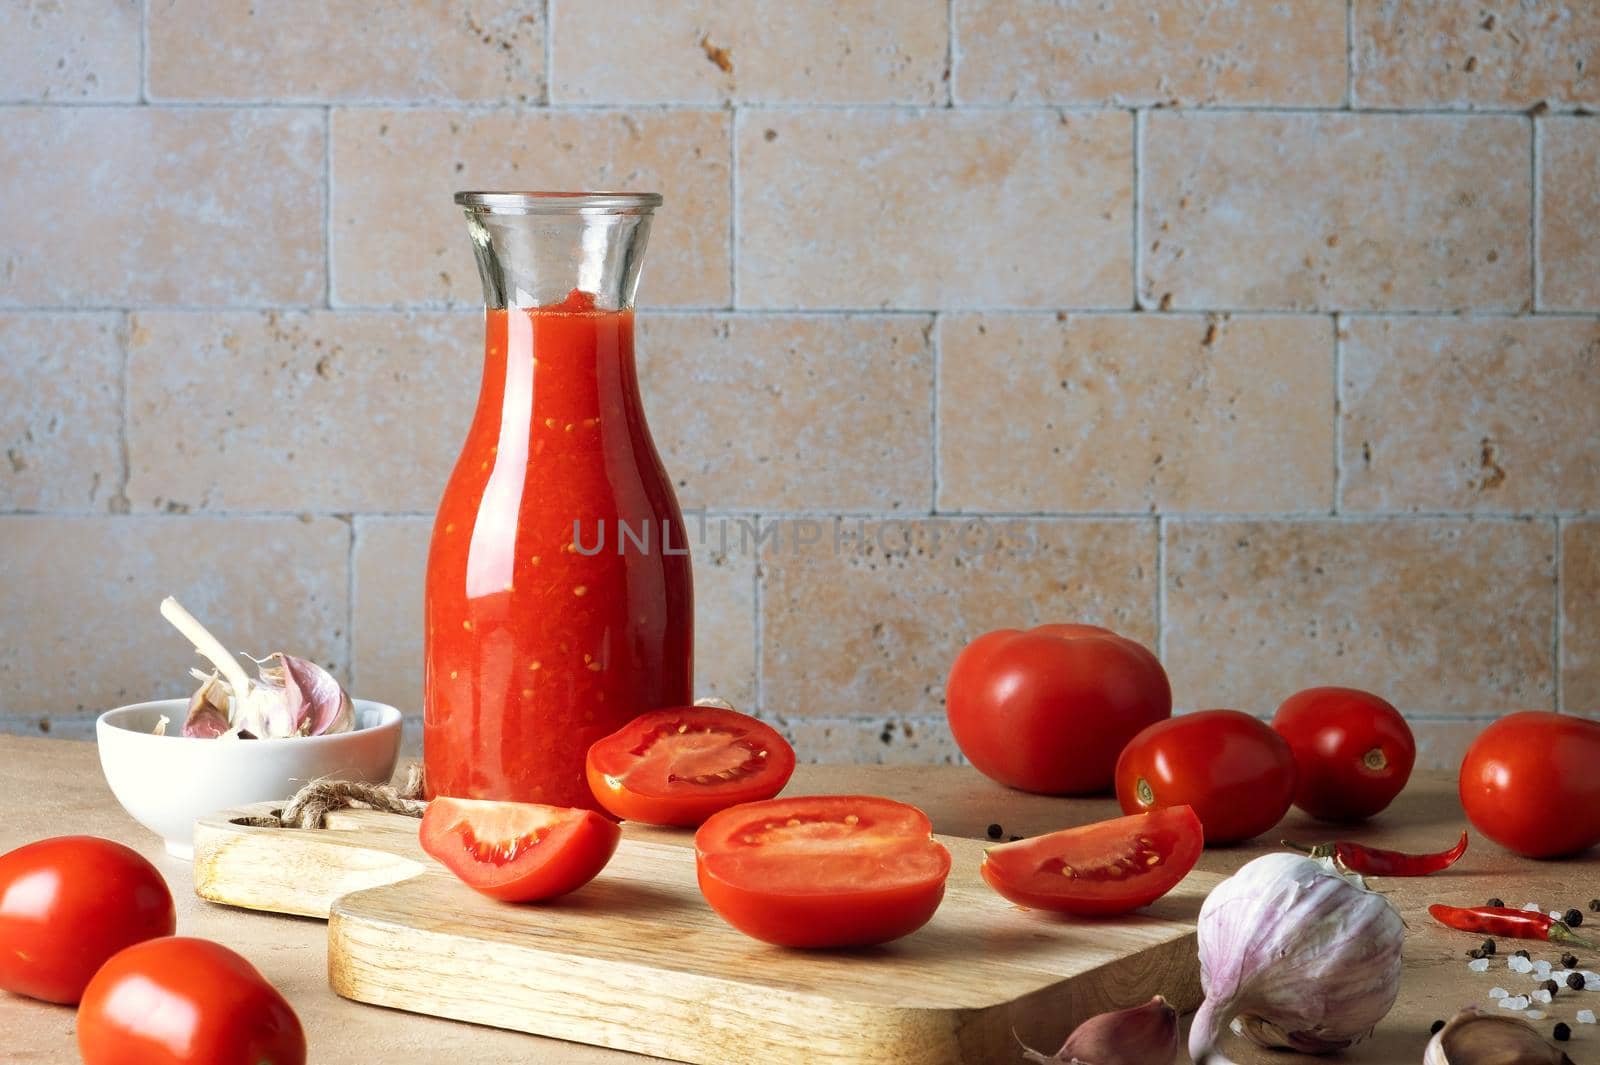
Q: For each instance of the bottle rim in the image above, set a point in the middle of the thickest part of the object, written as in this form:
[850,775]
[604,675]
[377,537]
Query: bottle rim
[559,202]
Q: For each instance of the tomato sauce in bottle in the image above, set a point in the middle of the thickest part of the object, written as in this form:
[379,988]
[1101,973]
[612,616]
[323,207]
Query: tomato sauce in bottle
[559,601]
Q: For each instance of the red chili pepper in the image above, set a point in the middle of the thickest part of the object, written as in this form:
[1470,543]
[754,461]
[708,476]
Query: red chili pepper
[1504,921]
[1371,861]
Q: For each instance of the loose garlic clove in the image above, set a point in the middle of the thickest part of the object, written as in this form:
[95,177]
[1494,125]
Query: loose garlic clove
[317,704]
[1142,1035]
[208,710]
[1476,1038]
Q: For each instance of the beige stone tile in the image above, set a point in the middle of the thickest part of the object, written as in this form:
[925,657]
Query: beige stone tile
[391,557]
[1442,744]
[885,740]
[1135,412]
[1580,611]
[1336,211]
[345,49]
[922,209]
[347,411]
[390,562]
[1422,53]
[193,206]
[61,421]
[792,412]
[750,51]
[1150,51]
[398,238]
[1441,617]
[82,50]
[1569,214]
[868,626]
[1472,414]
[92,637]
[724,623]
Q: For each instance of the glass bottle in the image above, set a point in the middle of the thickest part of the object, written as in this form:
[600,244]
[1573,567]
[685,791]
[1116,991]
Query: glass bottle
[559,600]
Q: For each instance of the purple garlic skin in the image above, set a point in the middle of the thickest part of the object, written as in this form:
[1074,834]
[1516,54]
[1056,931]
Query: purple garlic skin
[317,704]
[1305,957]
[1141,1035]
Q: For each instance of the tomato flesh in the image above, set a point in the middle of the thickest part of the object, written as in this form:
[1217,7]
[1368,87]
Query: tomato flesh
[518,851]
[1531,783]
[1353,752]
[180,1001]
[69,903]
[822,871]
[1235,772]
[1101,869]
[680,766]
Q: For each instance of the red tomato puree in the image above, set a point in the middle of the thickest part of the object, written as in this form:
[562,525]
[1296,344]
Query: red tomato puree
[537,644]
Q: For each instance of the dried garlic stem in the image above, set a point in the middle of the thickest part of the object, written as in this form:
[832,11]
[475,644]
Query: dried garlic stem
[209,646]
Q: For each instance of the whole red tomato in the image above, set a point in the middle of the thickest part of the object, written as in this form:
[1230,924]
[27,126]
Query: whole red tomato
[179,1001]
[1235,772]
[69,903]
[1353,752]
[1531,783]
[1049,710]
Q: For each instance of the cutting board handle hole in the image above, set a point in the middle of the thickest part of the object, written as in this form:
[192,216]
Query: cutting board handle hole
[272,820]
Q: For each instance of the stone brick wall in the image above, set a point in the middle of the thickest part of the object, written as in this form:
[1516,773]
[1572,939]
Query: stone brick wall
[1265,332]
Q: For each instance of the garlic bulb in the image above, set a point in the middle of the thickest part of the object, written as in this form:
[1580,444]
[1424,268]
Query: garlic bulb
[1476,1038]
[292,697]
[1305,957]
[1142,1035]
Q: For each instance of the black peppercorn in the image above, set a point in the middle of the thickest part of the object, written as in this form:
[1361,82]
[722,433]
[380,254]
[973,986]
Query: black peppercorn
[1575,981]
[1488,948]
[1437,1025]
[1562,1032]
[1497,903]
[1594,904]
[1569,961]
[1520,954]
[995,831]
[1572,918]
[1475,953]
[1550,986]
[1015,838]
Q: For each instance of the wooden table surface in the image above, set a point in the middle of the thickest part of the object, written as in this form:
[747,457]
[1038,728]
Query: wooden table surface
[54,787]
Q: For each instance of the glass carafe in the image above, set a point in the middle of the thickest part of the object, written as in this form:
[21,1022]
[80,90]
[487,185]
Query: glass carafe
[559,602]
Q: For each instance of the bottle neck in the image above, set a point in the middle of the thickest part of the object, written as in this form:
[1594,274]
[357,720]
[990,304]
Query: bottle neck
[547,258]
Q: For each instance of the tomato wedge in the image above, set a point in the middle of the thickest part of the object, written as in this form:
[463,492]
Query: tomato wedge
[1101,869]
[822,871]
[518,851]
[680,766]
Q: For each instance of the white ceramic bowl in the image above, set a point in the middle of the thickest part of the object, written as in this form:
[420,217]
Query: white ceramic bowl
[167,782]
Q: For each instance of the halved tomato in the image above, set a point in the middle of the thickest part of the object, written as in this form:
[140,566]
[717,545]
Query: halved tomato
[518,851]
[1101,869]
[822,871]
[680,766]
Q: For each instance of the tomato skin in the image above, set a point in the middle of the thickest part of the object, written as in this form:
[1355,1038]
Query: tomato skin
[181,1001]
[1029,872]
[558,848]
[1235,772]
[69,903]
[659,787]
[882,878]
[1353,752]
[1531,783]
[1049,710]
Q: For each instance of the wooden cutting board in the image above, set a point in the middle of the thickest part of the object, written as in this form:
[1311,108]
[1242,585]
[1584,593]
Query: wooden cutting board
[637,961]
